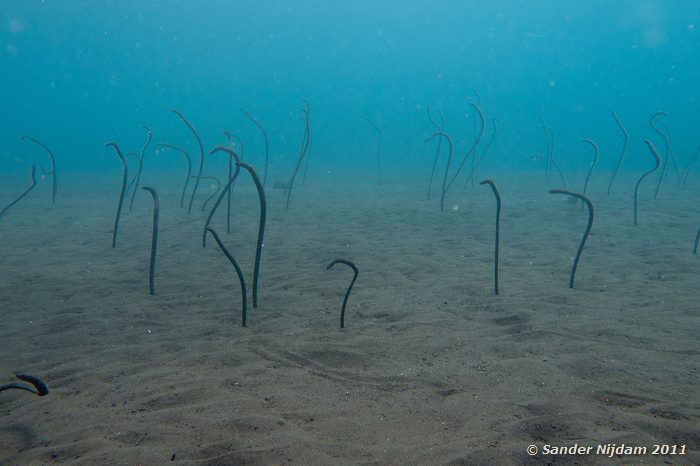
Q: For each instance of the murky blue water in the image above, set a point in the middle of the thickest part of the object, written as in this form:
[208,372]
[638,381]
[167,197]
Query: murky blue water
[79,73]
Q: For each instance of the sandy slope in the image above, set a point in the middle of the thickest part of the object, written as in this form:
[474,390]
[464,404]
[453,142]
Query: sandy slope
[430,369]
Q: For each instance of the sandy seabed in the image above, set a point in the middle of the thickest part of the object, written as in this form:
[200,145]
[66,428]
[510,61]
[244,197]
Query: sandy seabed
[432,368]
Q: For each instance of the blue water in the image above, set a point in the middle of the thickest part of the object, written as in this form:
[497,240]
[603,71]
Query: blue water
[431,368]
[76,74]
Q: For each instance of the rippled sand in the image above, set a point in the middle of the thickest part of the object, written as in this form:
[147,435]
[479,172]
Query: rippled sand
[432,368]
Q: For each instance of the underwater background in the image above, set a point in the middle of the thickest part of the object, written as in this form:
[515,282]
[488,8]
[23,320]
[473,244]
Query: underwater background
[476,323]
[80,73]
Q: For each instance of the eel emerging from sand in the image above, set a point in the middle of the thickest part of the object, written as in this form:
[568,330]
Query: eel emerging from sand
[40,387]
